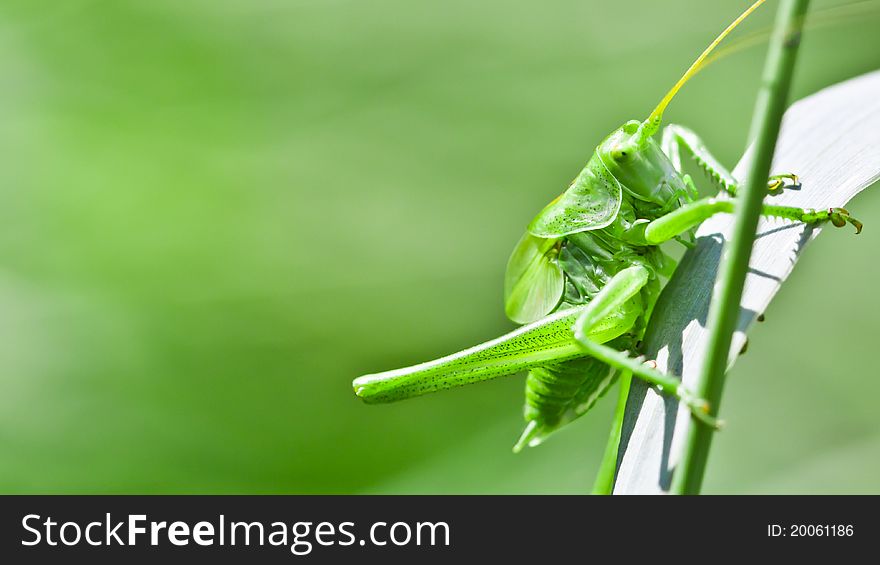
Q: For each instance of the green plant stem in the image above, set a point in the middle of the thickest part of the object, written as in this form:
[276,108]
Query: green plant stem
[724,310]
[604,483]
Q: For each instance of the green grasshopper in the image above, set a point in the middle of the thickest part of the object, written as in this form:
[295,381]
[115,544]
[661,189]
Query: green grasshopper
[586,275]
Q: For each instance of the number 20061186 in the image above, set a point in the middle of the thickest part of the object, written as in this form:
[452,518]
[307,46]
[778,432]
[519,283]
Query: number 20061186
[810,530]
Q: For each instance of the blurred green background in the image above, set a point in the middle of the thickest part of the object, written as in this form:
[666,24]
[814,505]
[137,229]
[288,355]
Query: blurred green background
[216,213]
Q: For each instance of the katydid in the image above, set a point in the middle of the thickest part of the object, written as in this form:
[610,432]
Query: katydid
[585,276]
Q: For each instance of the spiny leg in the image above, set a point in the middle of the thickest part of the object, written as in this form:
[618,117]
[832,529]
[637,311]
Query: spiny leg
[693,214]
[676,138]
[623,286]
[838,217]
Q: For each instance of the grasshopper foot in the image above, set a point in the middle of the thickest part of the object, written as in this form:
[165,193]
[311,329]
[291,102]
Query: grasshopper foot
[840,217]
[699,408]
[777,182]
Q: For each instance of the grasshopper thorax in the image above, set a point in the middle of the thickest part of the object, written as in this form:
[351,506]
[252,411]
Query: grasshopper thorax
[639,164]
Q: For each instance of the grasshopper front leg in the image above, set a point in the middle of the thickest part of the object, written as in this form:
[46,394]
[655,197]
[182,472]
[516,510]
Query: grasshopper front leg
[676,138]
[623,286]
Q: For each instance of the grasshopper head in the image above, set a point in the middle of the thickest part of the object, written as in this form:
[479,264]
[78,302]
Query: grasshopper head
[638,163]
[624,142]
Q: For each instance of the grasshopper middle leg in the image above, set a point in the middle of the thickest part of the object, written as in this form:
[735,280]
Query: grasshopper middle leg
[693,214]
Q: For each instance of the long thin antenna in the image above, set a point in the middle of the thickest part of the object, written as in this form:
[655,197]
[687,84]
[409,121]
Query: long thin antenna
[827,17]
[649,127]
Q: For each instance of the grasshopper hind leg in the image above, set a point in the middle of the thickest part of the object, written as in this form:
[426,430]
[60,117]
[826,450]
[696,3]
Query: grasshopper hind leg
[556,394]
[617,291]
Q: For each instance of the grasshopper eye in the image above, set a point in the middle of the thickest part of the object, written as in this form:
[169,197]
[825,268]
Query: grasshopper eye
[620,154]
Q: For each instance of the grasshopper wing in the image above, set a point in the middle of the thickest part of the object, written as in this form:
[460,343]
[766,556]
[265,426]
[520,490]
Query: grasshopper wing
[533,283]
[591,202]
